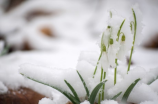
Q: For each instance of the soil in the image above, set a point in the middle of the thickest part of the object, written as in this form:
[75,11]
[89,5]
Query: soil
[20,96]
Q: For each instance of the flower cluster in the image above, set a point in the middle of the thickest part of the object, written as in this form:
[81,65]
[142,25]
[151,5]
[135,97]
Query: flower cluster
[118,38]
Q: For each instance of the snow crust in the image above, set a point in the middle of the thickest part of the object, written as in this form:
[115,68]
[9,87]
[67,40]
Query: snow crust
[109,102]
[85,102]
[149,102]
[77,29]
[3,88]
[46,101]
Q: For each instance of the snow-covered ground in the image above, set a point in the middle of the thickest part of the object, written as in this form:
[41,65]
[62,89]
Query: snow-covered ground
[77,26]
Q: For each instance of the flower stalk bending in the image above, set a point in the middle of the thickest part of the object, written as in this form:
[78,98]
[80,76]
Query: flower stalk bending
[135,29]
[118,36]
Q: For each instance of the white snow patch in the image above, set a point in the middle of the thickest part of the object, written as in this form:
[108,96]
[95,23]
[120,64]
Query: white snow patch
[149,102]
[85,102]
[109,102]
[3,88]
[46,101]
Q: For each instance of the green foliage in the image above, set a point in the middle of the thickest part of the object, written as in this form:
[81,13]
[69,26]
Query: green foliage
[91,97]
[119,31]
[114,98]
[84,84]
[129,89]
[150,82]
[68,95]
[72,90]
[74,99]
[134,23]
[95,91]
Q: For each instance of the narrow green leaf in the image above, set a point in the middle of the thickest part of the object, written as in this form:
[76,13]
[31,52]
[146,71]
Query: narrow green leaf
[114,98]
[129,89]
[84,84]
[72,90]
[150,82]
[135,24]
[95,91]
[68,95]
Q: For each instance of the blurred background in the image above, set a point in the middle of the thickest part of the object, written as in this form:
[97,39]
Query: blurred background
[54,32]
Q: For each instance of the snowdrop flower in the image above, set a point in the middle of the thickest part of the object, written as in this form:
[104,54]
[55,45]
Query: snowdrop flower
[104,61]
[110,37]
[112,53]
[125,40]
[106,35]
[115,23]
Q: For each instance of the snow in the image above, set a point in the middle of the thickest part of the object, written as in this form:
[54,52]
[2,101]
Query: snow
[46,101]
[109,102]
[149,102]
[77,26]
[3,88]
[144,92]
[85,102]
[14,80]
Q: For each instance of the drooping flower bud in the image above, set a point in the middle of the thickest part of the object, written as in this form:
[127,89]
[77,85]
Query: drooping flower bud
[123,38]
[111,41]
[103,48]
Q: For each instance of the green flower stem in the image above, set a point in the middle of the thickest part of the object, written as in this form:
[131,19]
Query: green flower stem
[129,64]
[99,98]
[101,78]
[135,29]
[119,31]
[115,73]
[103,85]
[118,36]
[97,64]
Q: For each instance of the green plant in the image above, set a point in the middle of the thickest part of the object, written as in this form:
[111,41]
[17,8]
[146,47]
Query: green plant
[74,98]
[100,87]
[132,24]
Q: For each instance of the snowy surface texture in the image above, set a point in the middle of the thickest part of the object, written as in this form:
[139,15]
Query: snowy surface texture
[3,88]
[85,102]
[46,101]
[77,26]
[109,102]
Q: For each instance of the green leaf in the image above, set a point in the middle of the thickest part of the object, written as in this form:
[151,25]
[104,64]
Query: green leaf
[129,89]
[68,95]
[84,84]
[114,98]
[72,90]
[95,91]
[150,82]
